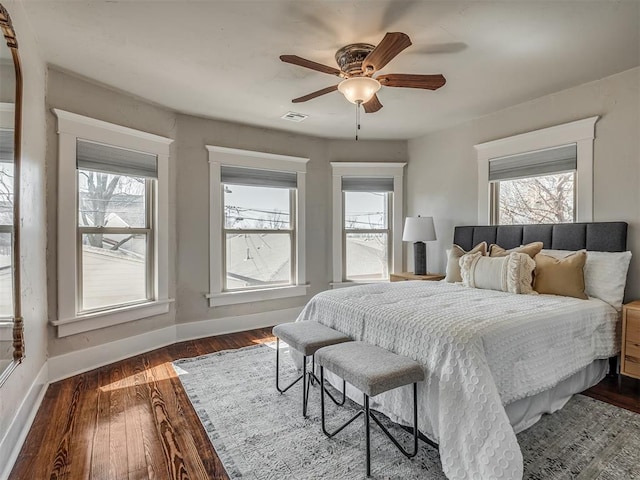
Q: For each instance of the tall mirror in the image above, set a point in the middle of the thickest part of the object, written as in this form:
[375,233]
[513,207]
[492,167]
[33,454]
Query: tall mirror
[11,325]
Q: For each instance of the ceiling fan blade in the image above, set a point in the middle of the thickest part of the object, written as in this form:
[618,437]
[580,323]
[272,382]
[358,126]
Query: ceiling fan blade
[303,62]
[318,93]
[428,82]
[390,46]
[372,105]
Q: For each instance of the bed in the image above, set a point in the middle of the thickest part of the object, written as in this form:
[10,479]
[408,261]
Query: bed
[494,361]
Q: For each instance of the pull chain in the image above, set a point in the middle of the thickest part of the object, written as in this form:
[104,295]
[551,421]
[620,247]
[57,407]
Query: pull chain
[357,119]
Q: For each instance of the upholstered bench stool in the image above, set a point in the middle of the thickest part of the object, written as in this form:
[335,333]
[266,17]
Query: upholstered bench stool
[306,338]
[372,370]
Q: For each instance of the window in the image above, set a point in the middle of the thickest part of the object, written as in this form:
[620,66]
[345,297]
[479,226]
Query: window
[115,226]
[543,176]
[366,235]
[259,233]
[257,226]
[6,224]
[367,221]
[534,187]
[112,224]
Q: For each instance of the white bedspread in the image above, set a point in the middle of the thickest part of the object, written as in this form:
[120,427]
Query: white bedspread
[481,349]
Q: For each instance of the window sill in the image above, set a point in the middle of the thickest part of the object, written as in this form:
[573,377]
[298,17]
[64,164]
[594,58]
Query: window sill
[107,318]
[247,296]
[6,329]
[353,283]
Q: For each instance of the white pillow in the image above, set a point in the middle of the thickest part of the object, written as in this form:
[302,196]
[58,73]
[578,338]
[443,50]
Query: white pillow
[605,274]
[453,260]
[512,273]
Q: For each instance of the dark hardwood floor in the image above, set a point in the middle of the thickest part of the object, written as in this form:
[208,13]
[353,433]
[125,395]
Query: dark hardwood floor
[133,420]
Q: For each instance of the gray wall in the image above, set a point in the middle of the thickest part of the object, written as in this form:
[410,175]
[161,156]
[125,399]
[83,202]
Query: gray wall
[189,199]
[75,95]
[193,204]
[443,172]
[33,221]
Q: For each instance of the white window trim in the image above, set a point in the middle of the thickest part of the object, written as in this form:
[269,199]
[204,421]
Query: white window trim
[366,169]
[219,156]
[580,132]
[72,126]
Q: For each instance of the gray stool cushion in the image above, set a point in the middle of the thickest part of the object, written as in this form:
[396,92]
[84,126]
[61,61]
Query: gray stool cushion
[371,369]
[307,337]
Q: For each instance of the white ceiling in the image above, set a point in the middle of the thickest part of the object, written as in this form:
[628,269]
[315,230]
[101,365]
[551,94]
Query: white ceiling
[219,59]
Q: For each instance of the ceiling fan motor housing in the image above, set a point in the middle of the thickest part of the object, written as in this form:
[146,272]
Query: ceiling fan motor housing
[350,57]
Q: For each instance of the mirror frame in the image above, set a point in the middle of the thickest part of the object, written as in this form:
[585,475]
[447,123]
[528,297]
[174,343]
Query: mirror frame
[9,33]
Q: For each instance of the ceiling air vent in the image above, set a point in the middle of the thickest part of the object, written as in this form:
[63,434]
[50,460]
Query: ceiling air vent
[294,117]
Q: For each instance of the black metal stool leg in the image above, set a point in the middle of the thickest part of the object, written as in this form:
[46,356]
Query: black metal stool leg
[305,387]
[333,399]
[322,413]
[367,414]
[282,390]
[415,427]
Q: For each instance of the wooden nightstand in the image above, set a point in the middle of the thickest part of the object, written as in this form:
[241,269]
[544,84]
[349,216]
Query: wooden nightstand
[400,277]
[630,356]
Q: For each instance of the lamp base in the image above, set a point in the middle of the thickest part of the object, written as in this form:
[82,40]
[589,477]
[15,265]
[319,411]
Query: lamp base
[420,258]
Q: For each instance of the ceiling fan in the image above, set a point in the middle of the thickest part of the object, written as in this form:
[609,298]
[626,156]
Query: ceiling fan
[358,62]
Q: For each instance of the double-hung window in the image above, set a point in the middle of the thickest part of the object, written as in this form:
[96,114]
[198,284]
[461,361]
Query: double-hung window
[115,241]
[366,233]
[112,224]
[6,222]
[542,176]
[367,221]
[257,226]
[534,187]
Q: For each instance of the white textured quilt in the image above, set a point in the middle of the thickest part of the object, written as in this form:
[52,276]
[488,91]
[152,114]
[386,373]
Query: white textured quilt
[481,350]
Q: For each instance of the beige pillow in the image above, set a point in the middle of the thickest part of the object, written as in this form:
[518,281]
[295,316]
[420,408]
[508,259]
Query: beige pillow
[531,249]
[563,276]
[453,260]
[511,273]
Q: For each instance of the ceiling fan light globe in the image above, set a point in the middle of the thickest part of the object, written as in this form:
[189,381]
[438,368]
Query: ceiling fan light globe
[359,89]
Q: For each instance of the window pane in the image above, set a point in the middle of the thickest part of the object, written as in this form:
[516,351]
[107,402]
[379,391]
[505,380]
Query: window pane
[544,199]
[258,260]
[367,256]
[256,208]
[6,277]
[365,210]
[6,193]
[114,269]
[107,200]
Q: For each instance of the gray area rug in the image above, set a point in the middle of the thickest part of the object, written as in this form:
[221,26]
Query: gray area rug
[260,434]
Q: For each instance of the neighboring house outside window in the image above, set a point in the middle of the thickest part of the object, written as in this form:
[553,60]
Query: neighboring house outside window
[367,221]
[543,176]
[257,218]
[112,232]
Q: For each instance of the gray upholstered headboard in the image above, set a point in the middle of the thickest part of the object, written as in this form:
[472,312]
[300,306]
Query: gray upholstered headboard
[600,236]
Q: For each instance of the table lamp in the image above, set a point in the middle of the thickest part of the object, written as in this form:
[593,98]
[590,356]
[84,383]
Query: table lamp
[419,230]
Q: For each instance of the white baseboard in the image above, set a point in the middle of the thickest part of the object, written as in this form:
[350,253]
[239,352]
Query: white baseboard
[80,361]
[221,326]
[11,444]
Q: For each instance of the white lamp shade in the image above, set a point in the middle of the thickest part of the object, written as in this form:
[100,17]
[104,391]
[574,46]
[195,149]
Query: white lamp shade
[359,89]
[419,229]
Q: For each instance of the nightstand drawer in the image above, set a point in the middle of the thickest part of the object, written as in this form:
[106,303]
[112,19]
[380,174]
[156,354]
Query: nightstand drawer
[632,349]
[633,326]
[632,366]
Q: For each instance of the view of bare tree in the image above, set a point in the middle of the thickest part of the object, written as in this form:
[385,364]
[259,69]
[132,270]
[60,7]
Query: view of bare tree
[544,199]
[102,194]
[6,193]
